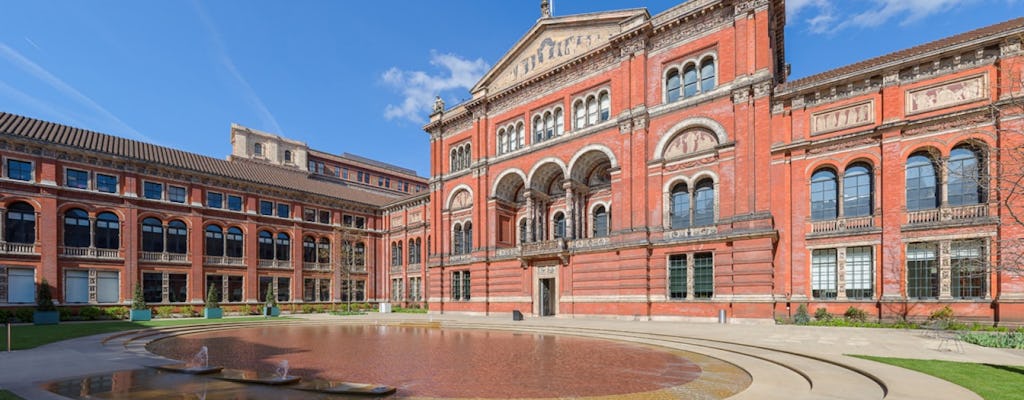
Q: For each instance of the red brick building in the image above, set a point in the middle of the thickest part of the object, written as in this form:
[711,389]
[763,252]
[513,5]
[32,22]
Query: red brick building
[629,165]
[611,164]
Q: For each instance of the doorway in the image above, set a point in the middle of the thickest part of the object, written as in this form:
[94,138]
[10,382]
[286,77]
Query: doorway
[547,297]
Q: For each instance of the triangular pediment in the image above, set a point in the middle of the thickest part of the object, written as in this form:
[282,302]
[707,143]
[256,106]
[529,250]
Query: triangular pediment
[554,41]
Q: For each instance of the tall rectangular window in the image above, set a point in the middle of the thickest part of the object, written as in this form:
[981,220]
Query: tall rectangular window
[309,289]
[969,269]
[703,275]
[308,214]
[177,288]
[234,203]
[284,289]
[677,276]
[76,286]
[106,183]
[325,289]
[922,271]
[460,285]
[153,287]
[76,178]
[176,194]
[266,207]
[265,284]
[344,173]
[21,285]
[234,289]
[823,274]
[19,170]
[859,272]
[217,283]
[214,200]
[325,217]
[153,190]
[396,289]
[108,287]
[284,210]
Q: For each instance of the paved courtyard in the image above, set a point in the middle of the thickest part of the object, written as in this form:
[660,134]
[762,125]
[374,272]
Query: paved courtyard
[785,361]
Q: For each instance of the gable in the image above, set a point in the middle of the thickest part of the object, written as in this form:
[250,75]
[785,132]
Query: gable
[553,42]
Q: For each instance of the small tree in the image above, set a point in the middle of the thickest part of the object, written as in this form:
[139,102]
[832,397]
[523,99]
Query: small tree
[138,301]
[211,298]
[44,299]
[271,301]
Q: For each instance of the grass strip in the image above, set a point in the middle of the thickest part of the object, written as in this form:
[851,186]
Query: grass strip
[32,336]
[991,382]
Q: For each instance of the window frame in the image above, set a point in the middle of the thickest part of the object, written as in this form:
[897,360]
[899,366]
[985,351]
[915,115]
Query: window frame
[31,169]
[87,182]
[219,202]
[100,186]
[146,186]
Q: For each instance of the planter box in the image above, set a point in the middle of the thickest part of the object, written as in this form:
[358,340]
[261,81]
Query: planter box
[213,313]
[46,317]
[271,311]
[140,315]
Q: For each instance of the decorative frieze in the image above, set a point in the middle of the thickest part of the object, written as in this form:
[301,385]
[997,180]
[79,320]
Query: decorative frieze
[745,6]
[955,123]
[842,118]
[692,28]
[842,145]
[549,84]
[632,47]
[741,95]
[948,94]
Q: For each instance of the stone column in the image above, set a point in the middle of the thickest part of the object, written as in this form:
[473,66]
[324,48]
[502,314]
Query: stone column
[531,217]
[689,276]
[92,236]
[841,273]
[945,278]
[570,211]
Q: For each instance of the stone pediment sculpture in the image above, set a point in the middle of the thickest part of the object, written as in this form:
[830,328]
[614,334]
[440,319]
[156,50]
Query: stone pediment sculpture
[551,42]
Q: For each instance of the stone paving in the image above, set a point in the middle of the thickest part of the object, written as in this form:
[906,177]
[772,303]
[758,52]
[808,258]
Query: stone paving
[785,361]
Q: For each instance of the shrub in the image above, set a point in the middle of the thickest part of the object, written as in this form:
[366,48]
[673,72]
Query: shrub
[855,314]
[90,313]
[116,312]
[1011,340]
[44,299]
[942,314]
[164,311]
[822,314]
[65,314]
[271,297]
[307,309]
[23,314]
[138,301]
[211,298]
[801,317]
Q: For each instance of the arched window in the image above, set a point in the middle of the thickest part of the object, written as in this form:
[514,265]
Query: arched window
[467,242]
[233,243]
[308,249]
[152,235]
[400,254]
[283,247]
[323,251]
[672,84]
[522,231]
[922,185]
[680,210]
[266,245]
[214,241]
[20,223]
[538,129]
[707,75]
[467,160]
[964,177]
[502,141]
[257,149]
[453,162]
[559,122]
[581,114]
[359,253]
[520,137]
[704,203]
[108,231]
[600,225]
[76,228]
[287,156]
[412,252]
[549,126]
[558,231]
[823,195]
[857,191]
[457,239]
[689,80]
[591,110]
[606,106]
[177,237]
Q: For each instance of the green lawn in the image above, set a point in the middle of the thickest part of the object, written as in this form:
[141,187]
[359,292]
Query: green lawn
[991,382]
[30,336]
[5,395]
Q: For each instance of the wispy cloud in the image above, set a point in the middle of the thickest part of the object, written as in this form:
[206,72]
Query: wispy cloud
[831,16]
[247,92]
[47,110]
[419,88]
[40,73]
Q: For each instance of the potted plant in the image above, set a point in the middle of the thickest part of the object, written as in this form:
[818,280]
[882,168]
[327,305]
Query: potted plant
[270,308]
[212,309]
[139,311]
[46,313]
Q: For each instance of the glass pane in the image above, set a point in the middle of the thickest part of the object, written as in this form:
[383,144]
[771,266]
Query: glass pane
[823,274]
[234,288]
[859,273]
[217,282]
[108,287]
[284,289]
[177,288]
[677,276]
[21,285]
[703,276]
[153,287]
[76,286]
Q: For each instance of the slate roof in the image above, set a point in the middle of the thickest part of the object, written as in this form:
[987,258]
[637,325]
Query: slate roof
[134,150]
[905,54]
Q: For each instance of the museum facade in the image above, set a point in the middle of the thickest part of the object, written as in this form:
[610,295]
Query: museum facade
[612,164]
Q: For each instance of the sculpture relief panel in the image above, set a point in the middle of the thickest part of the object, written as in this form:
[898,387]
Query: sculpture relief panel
[947,94]
[461,200]
[415,217]
[551,49]
[691,141]
[842,118]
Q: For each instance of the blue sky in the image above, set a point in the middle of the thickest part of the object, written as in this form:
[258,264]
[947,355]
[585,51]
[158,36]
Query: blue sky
[347,76]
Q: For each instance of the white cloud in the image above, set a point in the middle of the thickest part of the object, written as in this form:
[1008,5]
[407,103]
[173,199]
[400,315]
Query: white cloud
[831,16]
[419,87]
[37,71]
[247,92]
